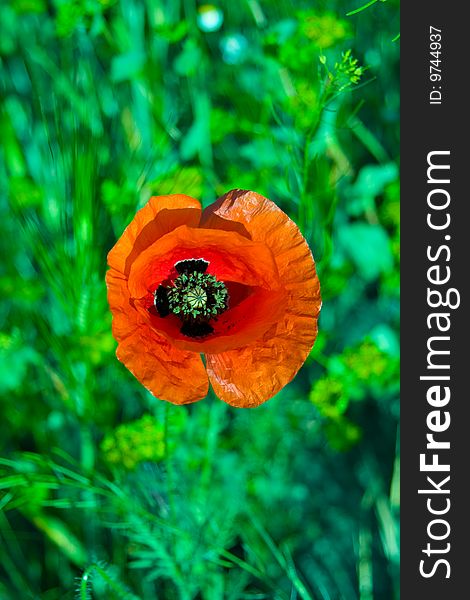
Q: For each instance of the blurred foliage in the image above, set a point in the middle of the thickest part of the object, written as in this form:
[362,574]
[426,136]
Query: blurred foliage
[106,492]
[133,443]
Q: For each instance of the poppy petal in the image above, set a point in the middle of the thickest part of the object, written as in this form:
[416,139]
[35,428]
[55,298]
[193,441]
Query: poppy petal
[231,257]
[235,328]
[167,372]
[248,376]
[250,243]
[159,216]
[125,318]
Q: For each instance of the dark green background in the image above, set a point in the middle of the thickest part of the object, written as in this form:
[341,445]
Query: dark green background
[105,491]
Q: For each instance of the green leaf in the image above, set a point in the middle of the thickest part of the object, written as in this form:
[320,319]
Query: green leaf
[189,60]
[370,183]
[126,66]
[368,247]
[193,140]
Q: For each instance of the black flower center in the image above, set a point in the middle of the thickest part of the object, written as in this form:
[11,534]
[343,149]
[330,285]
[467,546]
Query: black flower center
[194,296]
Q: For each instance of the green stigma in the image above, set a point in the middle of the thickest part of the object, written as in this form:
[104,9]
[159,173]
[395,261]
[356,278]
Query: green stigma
[195,297]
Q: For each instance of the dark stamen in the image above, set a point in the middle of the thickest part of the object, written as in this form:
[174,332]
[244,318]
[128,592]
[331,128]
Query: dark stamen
[195,329]
[195,297]
[162,303]
[192,265]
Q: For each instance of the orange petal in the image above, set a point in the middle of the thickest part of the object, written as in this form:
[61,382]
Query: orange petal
[231,257]
[235,328]
[160,215]
[247,377]
[168,373]
[251,375]
[125,318]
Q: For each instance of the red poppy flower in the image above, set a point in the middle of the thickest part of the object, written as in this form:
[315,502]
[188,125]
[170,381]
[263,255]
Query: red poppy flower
[235,282]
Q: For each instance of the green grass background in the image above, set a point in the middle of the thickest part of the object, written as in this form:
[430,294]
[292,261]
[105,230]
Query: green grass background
[105,491]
